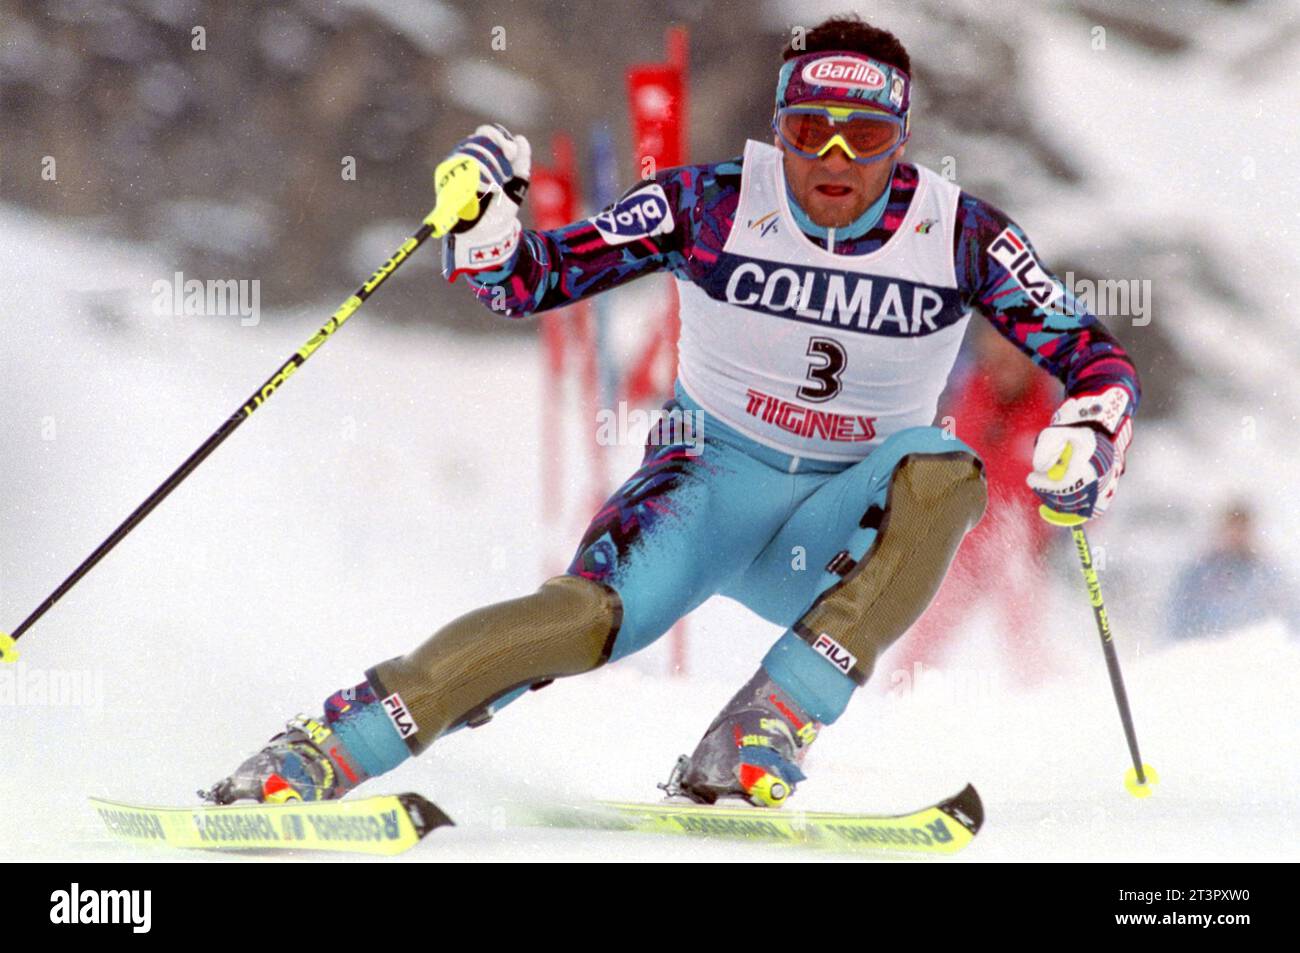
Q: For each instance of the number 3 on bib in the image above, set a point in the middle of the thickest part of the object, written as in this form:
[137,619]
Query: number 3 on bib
[828,361]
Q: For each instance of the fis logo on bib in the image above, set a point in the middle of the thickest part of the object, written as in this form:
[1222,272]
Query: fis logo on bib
[765,224]
[835,653]
[1012,254]
[643,213]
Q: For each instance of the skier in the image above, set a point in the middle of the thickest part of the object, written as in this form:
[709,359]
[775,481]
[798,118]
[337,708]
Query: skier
[825,286]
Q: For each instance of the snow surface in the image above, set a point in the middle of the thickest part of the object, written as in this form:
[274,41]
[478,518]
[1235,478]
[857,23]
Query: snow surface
[391,486]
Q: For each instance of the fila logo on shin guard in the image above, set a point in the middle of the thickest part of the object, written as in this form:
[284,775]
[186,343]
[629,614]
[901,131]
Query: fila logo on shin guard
[398,714]
[835,653]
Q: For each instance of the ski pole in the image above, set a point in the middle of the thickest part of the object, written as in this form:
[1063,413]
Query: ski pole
[457,181]
[1141,776]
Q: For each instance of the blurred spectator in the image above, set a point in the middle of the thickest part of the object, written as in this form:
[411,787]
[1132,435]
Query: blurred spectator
[1229,585]
[999,408]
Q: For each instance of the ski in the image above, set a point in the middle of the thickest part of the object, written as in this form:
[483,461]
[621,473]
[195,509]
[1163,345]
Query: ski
[943,828]
[384,825]
[391,824]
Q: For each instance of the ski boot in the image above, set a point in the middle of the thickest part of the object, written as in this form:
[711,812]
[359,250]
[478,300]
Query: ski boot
[357,738]
[305,762]
[752,750]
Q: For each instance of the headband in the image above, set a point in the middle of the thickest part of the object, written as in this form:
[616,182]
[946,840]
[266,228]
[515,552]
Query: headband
[850,78]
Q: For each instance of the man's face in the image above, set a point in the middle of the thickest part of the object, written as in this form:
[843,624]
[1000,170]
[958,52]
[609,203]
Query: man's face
[832,188]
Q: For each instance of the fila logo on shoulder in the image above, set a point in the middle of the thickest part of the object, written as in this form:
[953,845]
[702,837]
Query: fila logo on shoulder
[835,653]
[1013,255]
[844,72]
[397,713]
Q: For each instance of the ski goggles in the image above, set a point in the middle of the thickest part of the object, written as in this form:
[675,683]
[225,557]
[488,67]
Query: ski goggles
[869,118]
[864,135]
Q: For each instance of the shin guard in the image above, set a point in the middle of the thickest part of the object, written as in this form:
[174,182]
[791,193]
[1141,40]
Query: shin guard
[566,627]
[933,499]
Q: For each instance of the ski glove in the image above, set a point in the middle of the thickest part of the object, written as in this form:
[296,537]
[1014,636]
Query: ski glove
[1078,459]
[483,234]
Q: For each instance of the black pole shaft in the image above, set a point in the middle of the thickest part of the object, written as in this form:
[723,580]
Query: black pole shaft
[259,397]
[1108,648]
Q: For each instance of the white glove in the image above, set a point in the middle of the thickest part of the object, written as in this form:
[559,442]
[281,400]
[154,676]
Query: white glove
[482,235]
[1079,458]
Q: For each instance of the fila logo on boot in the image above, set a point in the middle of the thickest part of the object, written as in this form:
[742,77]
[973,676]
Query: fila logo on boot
[835,653]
